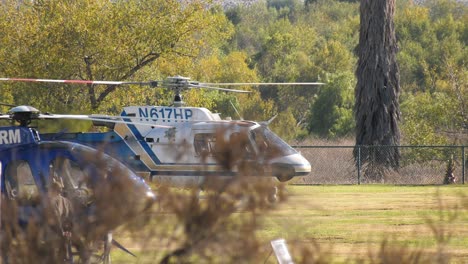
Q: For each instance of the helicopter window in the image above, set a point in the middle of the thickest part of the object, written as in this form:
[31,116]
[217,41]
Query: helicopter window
[240,139]
[204,143]
[67,173]
[269,144]
[19,182]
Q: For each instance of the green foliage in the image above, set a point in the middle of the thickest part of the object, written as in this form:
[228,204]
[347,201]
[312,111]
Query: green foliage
[432,60]
[335,20]
[286,8]
[5,98]
[217,68]
[425,113]
[274,40]
[232,67]
[332,111]
[288,43]
[430,37]
[255,108]
[333,58]
[98,40]
[285,127]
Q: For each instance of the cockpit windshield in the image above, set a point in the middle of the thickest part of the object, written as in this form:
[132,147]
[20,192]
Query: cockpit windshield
[269,144]
[98,158]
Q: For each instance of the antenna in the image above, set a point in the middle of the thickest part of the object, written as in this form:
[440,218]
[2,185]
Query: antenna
[267,123]
[235,109]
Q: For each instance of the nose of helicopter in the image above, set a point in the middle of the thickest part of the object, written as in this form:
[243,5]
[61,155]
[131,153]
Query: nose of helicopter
[287,167]
[121,196]
[147,196]
[150,198]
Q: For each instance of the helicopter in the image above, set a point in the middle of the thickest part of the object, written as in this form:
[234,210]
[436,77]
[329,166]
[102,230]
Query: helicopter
[92,180]
[176,145]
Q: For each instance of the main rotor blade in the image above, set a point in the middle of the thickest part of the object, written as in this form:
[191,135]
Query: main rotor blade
[152,83]
[160,83]
[258,84]
[5,104]
[217,88]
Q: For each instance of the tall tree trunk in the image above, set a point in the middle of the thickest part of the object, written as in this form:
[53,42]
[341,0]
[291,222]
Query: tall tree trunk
[378,86]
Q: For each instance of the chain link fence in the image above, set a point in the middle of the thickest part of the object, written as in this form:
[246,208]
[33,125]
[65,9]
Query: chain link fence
[418,165]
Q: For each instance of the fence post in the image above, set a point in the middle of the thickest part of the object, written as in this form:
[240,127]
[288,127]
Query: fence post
[463,164]
[359,166]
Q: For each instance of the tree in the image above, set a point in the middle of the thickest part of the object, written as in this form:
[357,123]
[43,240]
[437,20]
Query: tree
[433,72]
[287,43]
[378,87]
[96,40]
[331,112]
[426,116]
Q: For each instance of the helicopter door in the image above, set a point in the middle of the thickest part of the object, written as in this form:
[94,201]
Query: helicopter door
[20,184]
[204,144]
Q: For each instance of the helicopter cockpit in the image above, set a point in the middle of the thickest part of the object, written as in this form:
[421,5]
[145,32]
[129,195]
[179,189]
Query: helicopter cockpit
[278,158]
[255,143]
[72,179]
[269,143]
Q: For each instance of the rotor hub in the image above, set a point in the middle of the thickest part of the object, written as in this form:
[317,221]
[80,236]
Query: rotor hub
[23,114]
[178,84]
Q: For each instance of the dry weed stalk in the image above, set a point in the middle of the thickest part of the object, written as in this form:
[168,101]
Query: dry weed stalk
[30,232]
[219,227]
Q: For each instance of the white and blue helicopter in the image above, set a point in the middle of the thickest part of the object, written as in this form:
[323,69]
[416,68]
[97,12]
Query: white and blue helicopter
[176,145]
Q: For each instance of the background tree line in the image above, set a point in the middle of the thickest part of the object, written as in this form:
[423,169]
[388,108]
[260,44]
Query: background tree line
[270,41]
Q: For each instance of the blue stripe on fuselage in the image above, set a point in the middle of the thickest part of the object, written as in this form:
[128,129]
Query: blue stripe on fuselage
[139,138]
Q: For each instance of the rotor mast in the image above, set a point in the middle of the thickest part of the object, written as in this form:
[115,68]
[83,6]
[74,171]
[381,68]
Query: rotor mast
[178,84]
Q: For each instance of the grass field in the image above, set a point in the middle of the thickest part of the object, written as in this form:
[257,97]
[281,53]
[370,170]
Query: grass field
[349,223]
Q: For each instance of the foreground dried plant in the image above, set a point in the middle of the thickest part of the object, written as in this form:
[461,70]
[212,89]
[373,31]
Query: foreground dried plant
[31,231]
[183,226]
[219,226]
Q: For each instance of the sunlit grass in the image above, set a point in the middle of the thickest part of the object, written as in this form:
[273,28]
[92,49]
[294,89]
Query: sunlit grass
[351,221]
[356,219]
